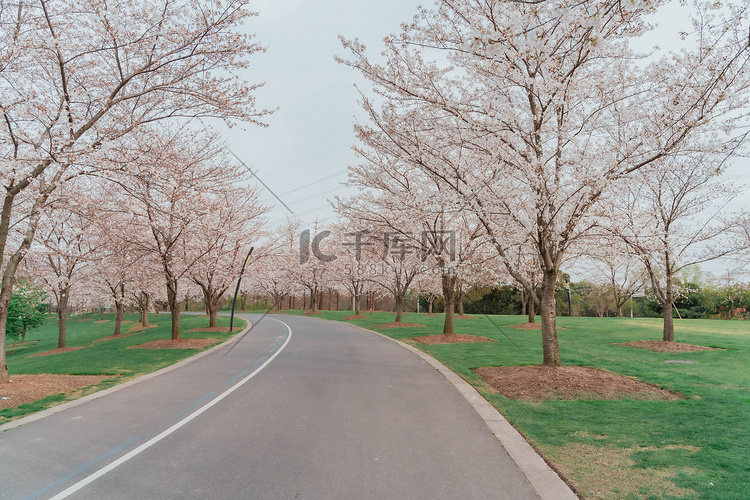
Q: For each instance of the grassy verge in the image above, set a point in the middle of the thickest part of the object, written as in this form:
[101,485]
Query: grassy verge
[108,357]
[698,447]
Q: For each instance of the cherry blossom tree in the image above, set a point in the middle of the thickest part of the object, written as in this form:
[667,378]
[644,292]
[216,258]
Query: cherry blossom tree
[118,262]
[316,251]
[413,207]
[529,111]
[275,265]
[673,217]
[144,288]
[231,226]
[613,263]
[399,264]
[64,249]
[171,183]
[77,76]
[350,269]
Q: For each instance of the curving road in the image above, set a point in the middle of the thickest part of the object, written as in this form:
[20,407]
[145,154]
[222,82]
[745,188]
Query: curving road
[299,408]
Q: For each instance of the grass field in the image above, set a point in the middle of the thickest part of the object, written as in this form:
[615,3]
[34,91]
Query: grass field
[698,447]
[109,357]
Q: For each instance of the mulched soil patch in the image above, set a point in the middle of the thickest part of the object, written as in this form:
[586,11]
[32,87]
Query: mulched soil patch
[666,346]
[398,325]
[541,383]
[455,338]
[527,326]
[59,350]
[357,316]
[21,345]
[311,313]
[464,316]
[210,329]
[112,337]
[102,321]
[139,327]
[28,388]
[176,344]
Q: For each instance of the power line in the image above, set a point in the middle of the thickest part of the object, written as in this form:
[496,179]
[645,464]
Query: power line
[259,180]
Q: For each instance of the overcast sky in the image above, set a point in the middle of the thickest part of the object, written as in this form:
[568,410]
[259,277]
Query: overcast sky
[303,155]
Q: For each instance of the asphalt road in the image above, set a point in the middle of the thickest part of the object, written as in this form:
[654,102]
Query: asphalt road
[300,408]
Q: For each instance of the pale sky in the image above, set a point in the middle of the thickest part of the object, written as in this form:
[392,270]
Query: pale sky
[304,153]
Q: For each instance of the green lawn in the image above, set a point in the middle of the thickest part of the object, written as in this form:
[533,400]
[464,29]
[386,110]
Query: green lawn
[698,447]
[110,357]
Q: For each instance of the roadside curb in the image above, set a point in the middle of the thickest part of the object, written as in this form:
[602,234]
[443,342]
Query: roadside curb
[545,481]
[70,404]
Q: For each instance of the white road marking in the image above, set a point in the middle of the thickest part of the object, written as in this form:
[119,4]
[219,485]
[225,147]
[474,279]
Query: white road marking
[96,475]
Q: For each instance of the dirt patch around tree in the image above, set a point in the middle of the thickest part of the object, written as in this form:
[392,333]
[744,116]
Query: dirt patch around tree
[399,325]
[357,316]
[464,316]
[542,383]
[527,326]
[112,337]
[312,313]
[59,350]
[667,346]
[29,388]
[176,344]
[455,338]
[139,327]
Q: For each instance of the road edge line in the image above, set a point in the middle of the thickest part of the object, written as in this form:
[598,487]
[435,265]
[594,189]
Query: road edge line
[545,481]
[113,465]
[98,394]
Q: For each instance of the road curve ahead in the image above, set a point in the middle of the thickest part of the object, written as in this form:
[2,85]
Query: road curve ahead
[299,408]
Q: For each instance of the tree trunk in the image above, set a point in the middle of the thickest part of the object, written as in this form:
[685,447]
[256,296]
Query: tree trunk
[174,308]
[146,306]
[399,308]
[531,308]
[119,315]
[4,375]
[212,304]
[618,302]
[668,304]
[449,290]
[62,327]
[550,346]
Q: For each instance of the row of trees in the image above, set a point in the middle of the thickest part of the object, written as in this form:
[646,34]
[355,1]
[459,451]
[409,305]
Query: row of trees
[178,213]
[506,141]
[539,121]
[101,90]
